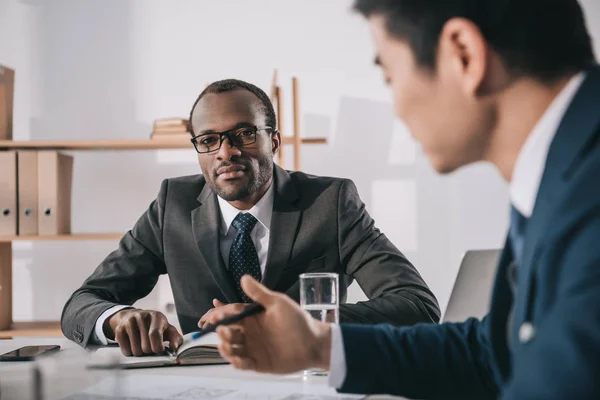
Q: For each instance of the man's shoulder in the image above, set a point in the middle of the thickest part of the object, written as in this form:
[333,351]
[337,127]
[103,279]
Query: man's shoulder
[318,192]
[187,180]
[580,198]
[584,185]
[183,186]
[309,180]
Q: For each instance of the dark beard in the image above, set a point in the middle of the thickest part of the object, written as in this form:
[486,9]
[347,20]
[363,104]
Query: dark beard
[256,180]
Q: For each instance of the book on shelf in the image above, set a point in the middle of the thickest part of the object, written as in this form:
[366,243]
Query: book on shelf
[165,130]
[175,137]
[171,122]
[201,351]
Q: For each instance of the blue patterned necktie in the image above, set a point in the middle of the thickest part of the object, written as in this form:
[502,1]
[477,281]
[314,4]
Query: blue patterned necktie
[517,234]
[243,258]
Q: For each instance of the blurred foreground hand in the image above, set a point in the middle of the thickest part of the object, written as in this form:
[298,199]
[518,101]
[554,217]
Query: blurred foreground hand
[281,340]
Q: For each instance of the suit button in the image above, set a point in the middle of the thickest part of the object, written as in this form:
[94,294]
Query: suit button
[78,337]
[526,332]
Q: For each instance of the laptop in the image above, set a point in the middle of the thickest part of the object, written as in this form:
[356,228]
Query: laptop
[472,289]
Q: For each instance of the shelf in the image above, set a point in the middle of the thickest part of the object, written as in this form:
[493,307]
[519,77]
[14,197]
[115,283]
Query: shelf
[73,236]
[130,144]
[40,328]
[290,140]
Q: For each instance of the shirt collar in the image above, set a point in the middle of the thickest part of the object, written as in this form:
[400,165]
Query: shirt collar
[262,211]
[531,160]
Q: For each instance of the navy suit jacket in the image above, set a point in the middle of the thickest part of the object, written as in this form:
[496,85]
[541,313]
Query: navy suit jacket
[550,347]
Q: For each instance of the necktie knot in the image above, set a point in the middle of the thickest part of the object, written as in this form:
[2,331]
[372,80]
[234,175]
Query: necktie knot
[244,222]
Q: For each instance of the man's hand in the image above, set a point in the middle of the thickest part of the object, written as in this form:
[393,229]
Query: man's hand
[141,332]
[282,339]
[225,310]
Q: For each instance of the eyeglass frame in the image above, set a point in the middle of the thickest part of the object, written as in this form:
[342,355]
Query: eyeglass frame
[227,134]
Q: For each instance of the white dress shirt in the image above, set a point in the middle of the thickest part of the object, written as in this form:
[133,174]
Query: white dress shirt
[262,211]
[530,164]
[524,186]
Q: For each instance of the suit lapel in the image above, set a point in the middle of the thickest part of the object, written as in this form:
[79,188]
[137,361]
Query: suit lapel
[284,226]
[206,220]
[576,131]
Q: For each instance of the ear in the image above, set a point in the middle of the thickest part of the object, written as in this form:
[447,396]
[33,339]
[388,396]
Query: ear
[275,142]
[463,53]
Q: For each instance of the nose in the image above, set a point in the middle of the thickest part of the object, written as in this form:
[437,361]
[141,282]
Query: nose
[227,150]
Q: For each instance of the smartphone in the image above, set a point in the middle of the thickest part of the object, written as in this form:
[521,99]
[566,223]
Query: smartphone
[28,353]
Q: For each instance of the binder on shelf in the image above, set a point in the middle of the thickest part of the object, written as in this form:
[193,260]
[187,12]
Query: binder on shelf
[7,85]
[55,176]
[8,193]
[27,183]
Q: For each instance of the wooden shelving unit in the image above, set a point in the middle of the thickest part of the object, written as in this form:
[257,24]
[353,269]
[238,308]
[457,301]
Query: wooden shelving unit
[36,328]
[9,329]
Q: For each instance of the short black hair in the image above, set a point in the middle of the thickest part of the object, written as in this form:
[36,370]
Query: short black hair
[544,39]
[228,85]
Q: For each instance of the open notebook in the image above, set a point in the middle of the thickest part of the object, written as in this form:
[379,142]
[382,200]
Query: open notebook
[201,351]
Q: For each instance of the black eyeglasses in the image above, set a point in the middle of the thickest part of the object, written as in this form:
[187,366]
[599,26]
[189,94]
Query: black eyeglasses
[238,137]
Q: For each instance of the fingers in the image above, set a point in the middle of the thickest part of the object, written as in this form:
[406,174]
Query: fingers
[232,347]
[213,316]
[173,336]
[217,303]
[242,363]
[142,321]
[204,318]
[158,326]
[133,334]
[123,340]
[257,291]
[141,332]
[233,350]
[233,334]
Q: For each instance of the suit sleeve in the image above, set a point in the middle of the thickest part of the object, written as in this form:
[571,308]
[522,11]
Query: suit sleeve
[125,276]
[448,361]
[562,360]
[397,293]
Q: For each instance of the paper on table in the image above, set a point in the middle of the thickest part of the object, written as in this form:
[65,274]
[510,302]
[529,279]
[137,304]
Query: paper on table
[158,387]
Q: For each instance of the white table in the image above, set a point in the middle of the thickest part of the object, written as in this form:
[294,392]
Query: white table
[64,374]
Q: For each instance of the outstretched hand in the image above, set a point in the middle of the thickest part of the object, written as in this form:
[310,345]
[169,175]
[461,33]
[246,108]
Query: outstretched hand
[282,339]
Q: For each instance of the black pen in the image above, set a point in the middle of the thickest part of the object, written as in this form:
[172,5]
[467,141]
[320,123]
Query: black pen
[252,309]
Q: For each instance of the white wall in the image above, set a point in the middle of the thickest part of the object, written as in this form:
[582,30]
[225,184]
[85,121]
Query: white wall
[105,69]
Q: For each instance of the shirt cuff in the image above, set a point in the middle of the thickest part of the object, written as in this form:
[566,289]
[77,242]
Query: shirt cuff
[337,361]
[98,336]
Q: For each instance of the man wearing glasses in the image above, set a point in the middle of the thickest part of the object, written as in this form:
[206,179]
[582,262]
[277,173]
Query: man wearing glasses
[243,215]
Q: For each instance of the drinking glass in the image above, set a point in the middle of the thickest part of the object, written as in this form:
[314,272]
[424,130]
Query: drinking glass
[319,296]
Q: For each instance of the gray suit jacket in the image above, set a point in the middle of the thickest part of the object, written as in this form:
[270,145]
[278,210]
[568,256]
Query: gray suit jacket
[318,224]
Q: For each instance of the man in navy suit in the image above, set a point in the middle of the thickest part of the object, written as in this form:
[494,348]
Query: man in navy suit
[514,83]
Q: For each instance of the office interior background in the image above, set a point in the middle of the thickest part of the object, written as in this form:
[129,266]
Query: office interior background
[89,69]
